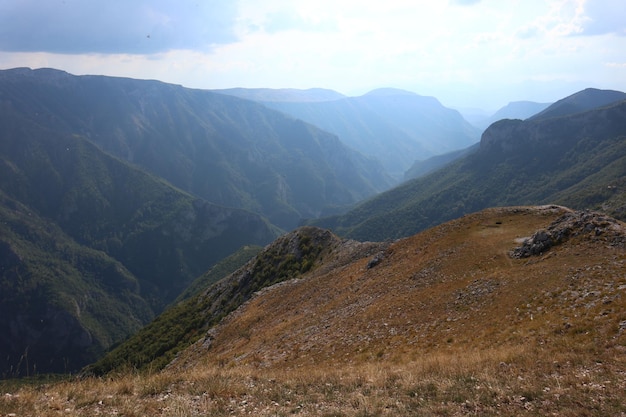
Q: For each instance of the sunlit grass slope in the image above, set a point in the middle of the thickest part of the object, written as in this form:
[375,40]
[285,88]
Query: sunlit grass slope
[446,322]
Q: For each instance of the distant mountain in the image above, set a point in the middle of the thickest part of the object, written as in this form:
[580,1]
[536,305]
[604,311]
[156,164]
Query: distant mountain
[578,160]
[581,101]
[226,150]
[514,110]
[283,94]
[395,126]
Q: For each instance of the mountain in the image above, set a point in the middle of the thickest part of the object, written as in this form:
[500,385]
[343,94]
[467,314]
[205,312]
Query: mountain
[394,126]
[93,247]
[176,329]
[581,101]
[499,312]
[223,149]
[118,193]
[283,94]
[515,110]
[61,304]
[576,160]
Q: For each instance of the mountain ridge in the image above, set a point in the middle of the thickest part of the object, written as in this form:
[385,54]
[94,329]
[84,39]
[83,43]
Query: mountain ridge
[394,126]
[581,101]
[230,151]
[518,162]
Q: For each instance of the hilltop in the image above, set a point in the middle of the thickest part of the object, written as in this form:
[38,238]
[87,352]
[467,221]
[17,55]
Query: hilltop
[484,274]
[501,312]
[584,100]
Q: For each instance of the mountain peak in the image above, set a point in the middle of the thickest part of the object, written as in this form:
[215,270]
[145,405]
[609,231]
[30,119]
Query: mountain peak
[388,91]
[581,101]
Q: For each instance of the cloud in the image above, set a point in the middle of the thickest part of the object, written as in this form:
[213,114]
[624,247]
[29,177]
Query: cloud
[115,26]
[464,2]
[528,32]
[286,21]
[431,47]
[604,17]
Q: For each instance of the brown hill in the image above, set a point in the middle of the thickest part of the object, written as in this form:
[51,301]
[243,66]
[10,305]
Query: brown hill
[460,286]
[507,311]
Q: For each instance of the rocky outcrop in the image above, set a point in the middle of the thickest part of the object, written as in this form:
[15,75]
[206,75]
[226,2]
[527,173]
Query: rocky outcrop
[572,224]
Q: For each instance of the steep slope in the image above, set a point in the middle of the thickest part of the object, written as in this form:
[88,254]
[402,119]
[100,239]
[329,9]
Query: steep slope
[581,101]
[578,160]
[93,247]
[395,126]
[61,304]
[439,289]
[286,258]
[226,150]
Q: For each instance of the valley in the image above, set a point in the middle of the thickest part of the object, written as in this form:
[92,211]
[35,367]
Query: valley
[175,251]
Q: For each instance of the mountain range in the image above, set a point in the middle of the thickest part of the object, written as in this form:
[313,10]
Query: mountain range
[394,126]
[229,151]
[93,247]
[120,197]
[117,193]
[572,159]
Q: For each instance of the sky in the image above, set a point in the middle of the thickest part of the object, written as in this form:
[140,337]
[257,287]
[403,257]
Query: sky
[467,53]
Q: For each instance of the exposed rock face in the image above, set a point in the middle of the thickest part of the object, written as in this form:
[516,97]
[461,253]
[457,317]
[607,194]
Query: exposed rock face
[571,225]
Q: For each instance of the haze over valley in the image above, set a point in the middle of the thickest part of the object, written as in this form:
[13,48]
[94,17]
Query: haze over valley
[329,209]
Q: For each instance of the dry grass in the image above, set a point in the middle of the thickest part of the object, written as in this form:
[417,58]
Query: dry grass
[447,324]
[505,381]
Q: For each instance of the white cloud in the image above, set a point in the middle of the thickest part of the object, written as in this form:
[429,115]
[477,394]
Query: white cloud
[436,48]
[604,17]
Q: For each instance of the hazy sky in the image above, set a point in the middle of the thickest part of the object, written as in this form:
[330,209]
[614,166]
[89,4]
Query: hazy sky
[477,53]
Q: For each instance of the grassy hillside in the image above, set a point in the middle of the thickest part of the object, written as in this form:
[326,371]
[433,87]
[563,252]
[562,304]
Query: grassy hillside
[183,324]
[576,159]
[509,311]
